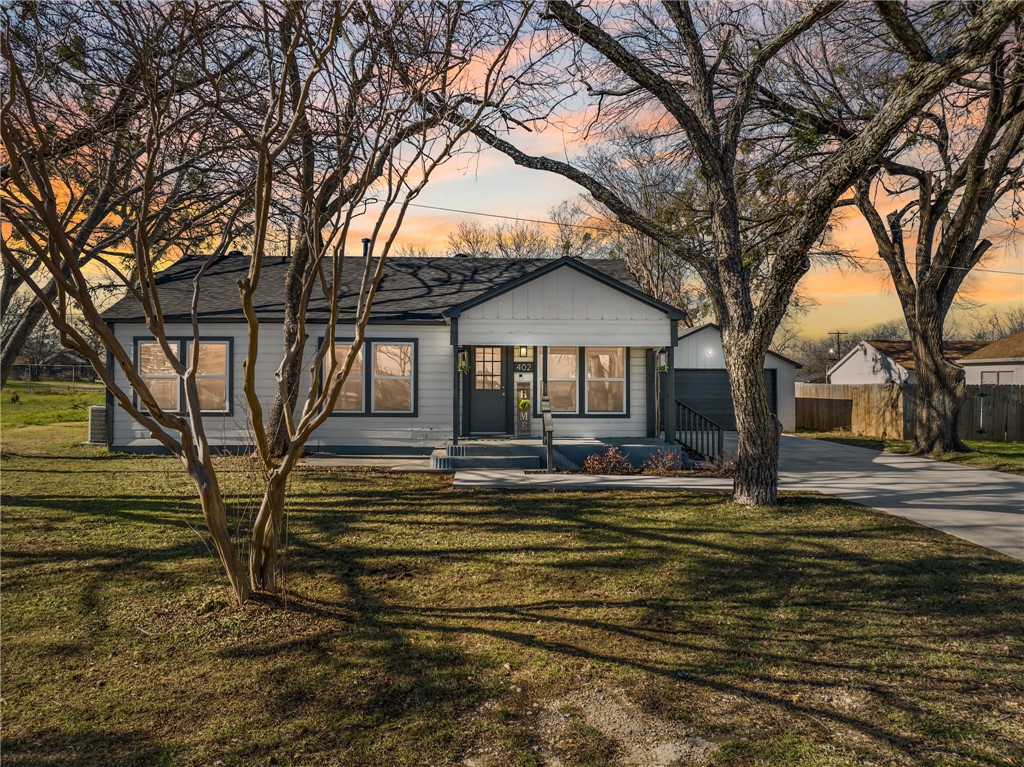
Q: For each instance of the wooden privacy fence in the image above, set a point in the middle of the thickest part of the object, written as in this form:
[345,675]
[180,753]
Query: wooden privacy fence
[991,413]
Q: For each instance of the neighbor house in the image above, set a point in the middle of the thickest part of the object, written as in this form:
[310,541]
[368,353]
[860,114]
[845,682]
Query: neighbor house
[888,362]
[1000,362]
[455,348]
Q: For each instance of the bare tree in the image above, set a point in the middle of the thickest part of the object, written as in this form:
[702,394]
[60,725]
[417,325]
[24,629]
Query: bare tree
[958,163]
[309,44]
[86,86]
[691,76]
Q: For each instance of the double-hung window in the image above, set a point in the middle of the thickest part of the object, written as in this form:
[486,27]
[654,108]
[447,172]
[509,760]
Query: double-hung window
[351,398]
[606,379]
[392,377]
[382,379]
[159,376]
[562,372]
[588,381]
[212,374]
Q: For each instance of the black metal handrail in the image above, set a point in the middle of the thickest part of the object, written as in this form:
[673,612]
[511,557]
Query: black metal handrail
[699,433]
[549,431]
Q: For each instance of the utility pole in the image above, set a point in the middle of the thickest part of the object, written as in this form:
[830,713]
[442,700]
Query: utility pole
[836,352]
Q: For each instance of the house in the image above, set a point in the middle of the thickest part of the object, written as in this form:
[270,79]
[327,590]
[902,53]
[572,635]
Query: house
[455,347]
[61,365]
[1000,362]
[888,362]
[702,382]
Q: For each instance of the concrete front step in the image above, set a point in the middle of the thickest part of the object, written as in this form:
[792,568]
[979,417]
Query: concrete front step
[440,459]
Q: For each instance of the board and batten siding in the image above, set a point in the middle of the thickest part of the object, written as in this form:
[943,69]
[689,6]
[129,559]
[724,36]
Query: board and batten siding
[564,308]
[431,425]
[702,350]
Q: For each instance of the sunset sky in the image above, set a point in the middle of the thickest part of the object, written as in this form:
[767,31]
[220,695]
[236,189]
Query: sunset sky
[849,300]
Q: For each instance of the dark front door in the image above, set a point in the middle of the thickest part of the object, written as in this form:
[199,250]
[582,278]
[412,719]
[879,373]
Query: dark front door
[488,396]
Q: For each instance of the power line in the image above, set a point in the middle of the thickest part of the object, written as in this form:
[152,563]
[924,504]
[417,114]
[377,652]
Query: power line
[515,218]
[865,259]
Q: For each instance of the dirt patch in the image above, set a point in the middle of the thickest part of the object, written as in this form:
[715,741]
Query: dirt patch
[607,721]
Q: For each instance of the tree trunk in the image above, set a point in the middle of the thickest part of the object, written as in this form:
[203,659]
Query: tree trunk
[757,428]
[215,513]
[291,372]
[941,390]
[266,533]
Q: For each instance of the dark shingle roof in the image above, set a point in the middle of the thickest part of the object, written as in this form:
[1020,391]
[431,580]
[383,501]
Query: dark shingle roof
[1006,348]
[901,352]
[411,289]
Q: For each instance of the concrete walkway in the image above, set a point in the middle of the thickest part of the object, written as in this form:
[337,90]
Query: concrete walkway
[984,507]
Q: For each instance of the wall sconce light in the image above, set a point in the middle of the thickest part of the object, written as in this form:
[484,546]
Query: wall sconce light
[662,360]
[709,351]
[524,351]
[463,360]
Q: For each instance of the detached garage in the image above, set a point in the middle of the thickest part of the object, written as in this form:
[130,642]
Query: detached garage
[702,382]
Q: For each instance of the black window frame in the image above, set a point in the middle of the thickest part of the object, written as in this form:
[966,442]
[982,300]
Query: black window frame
[541,355]
[368,376]
[181,343]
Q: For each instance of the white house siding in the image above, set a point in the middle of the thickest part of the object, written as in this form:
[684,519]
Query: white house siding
[1008,372]
[866,365]
[564,308]
[702,350]
[430,426]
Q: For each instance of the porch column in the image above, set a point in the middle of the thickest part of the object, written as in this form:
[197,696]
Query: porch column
[456,380]
[669,407]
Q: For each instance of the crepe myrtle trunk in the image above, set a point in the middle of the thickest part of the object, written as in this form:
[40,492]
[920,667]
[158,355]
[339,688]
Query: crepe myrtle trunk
[941,388]
[266,534]
[215,513]
[758,430]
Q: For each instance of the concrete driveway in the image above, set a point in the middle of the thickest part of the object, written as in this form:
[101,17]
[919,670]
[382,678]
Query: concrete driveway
[984,507]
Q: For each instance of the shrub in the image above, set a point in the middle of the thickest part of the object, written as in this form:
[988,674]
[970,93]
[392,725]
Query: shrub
[611,461]
[663,463]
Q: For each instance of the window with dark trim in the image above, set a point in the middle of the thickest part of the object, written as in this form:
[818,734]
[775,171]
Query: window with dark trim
[562,376]
[159,376]
[392,383]
[382,380]
[212,375]
[606,379]
[351,399]
[585,381]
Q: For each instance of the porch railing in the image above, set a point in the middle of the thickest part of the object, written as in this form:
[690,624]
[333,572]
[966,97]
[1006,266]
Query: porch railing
[549,432]
[698,432]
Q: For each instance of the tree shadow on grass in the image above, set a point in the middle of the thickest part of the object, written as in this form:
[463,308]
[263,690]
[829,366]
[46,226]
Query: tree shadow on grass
[754,613]
[683,597]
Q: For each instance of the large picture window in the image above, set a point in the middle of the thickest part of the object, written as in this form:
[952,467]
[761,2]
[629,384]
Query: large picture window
[351,398]
[392,377]
[212,374]
[606,379]
[562,373]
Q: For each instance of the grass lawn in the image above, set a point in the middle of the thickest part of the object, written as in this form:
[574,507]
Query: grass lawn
[45,402]
[998,456]
[431,626]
